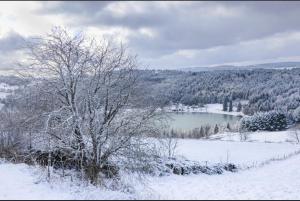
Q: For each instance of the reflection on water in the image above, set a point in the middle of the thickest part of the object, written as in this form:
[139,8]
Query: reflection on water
[188,121]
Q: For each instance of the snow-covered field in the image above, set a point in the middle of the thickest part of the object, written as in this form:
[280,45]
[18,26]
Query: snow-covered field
[259,136]
[243,154]
[21,182]
[210,108]
[274,174]
[278,180]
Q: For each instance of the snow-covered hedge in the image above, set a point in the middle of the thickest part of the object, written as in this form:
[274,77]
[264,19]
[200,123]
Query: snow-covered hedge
[269,121]
[180,166]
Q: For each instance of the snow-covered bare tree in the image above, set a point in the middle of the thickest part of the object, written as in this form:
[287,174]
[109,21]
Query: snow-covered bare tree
[98,111]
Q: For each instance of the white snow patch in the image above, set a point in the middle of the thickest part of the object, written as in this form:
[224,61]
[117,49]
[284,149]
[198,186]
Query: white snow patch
[21,182]
[276,180]
[279,180]
[259,136]
[218,108]
[243,154]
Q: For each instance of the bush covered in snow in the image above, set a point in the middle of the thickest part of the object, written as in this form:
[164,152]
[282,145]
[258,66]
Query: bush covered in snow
[296,115]
[269,121]
[182,166]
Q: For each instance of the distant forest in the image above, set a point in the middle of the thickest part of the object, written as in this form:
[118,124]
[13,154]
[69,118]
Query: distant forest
[264,89]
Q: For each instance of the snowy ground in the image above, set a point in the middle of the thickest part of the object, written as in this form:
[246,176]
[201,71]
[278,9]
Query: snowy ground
[210,108]
[218,108]
[274,174]
[21,182]
[260,136]
[279,180]
[243,154]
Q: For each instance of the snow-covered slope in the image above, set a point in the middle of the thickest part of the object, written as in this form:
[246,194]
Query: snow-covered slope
[266,179]
[244,154]
[279,180]
[21,182]
[288,136]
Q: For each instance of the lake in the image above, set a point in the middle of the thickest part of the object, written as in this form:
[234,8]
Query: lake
[189,121]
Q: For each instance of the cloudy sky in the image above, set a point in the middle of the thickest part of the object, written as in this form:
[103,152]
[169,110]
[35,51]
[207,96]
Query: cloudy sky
[165,34]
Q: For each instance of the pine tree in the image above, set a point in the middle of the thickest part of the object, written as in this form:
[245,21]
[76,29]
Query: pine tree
[206,131]
[239,107]
[202,134]
[230,106]
[228,126]
[216,130]
[225,104]
[269,121]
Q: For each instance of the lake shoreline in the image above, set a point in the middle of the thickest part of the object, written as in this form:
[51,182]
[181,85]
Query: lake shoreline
[188,121]
[208,108]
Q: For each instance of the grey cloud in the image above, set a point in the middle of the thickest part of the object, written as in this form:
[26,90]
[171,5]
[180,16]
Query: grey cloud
[9,46]
[255,51]
[11,42]
[74,7]
[191,25]
[198,26]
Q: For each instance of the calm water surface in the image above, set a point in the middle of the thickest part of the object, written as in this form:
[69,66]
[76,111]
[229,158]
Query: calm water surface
[188,121]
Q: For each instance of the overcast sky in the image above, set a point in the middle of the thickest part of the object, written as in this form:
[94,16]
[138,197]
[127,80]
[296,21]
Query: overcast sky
[165,34]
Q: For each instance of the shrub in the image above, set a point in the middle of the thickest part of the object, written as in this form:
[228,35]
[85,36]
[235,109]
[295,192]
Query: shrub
[269,121]
[296,115]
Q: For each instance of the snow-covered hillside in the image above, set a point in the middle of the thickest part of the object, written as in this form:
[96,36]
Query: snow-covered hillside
[278,180]
[243,154]
[274,174]
[19,181]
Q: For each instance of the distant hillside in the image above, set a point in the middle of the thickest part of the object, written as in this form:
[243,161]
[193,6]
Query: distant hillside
[277,65]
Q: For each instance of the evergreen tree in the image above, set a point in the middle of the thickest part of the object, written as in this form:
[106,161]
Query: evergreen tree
[239,107]
[269,121]
[206,131]
[202,134]
[230,106]
[216,130]
[228,126]
[172,133]
[225,104]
